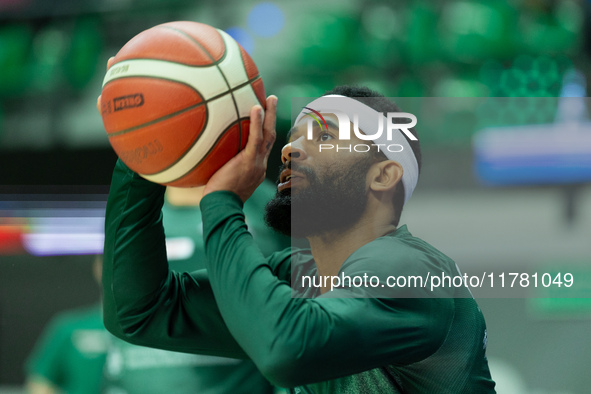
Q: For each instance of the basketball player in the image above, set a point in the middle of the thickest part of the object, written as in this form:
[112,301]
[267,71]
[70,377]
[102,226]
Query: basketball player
[347,204]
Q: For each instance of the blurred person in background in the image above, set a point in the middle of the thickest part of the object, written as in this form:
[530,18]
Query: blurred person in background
[132,369]
[70,355]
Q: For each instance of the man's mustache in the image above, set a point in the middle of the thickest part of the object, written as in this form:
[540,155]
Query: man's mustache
[290,165]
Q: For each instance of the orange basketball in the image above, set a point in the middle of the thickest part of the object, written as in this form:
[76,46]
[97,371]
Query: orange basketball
[176,102]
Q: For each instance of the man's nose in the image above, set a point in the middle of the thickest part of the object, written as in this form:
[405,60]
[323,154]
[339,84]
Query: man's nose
[293,151]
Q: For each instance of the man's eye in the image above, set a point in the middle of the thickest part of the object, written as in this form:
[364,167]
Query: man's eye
[324,137]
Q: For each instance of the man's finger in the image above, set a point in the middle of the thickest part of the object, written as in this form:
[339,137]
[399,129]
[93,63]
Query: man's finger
[269,133]
[255,134]
[110,62]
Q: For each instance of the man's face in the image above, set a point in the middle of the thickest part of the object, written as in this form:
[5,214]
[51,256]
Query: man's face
[319,191]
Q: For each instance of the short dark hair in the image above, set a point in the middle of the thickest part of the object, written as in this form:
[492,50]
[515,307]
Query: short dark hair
[380,103]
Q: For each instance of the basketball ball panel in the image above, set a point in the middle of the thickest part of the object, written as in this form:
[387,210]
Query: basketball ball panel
[207,36]
[221,114]
[249,66]
[259,91]
[155,148]
[164,44]
[208,81]
[245,98]
[130,102]
[224,150]
[232,66]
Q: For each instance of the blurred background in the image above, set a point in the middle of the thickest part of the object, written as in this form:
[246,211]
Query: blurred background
[505,183]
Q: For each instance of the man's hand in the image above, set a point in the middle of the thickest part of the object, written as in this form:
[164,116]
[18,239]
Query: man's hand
[245,172]
[98,100]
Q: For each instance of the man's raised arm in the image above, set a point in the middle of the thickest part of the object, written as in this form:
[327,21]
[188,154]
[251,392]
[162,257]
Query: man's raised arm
[144,303]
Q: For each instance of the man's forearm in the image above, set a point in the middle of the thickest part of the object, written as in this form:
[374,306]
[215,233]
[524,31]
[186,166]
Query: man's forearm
[135,262]
[297,341]
[144,303]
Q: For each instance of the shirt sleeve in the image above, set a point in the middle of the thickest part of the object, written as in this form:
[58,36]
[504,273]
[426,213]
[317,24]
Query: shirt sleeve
[296,341]
[143,302]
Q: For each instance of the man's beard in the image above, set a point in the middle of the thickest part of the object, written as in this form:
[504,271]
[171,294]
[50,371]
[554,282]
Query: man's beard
[330,203]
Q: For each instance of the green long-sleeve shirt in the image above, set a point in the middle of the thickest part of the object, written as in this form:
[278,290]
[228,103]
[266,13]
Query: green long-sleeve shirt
[242,305]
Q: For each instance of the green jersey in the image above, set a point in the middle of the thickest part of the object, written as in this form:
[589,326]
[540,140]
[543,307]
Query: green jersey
[242,305]
[72,351]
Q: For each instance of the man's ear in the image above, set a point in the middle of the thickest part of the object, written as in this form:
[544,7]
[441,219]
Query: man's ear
[385,175]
